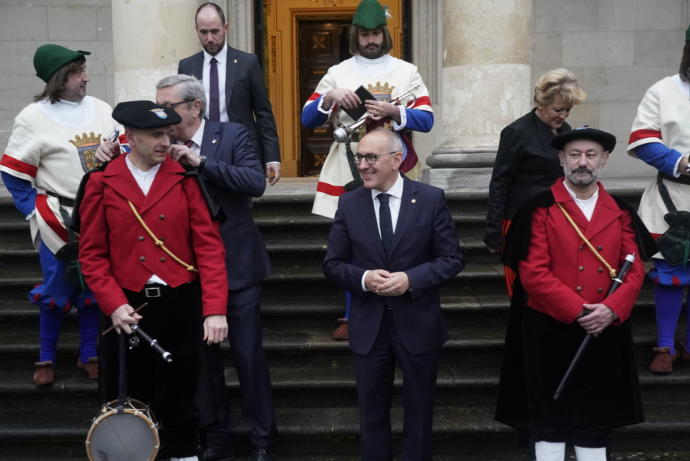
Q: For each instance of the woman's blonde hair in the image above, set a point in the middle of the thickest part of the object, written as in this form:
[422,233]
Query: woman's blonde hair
[558,81]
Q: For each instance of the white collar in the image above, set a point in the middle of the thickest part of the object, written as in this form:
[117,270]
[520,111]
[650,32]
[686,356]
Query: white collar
[396,189]
[199,134]
[220,56]
[380,60]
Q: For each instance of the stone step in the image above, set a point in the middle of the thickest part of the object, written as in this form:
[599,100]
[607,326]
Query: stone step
[458,435]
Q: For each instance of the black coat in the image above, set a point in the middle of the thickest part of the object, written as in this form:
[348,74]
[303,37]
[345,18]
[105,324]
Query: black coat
[246,99]
[525,165]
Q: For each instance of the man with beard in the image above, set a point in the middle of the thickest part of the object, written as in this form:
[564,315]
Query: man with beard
[234,86]
[51,146]
[385,77]
[564,243]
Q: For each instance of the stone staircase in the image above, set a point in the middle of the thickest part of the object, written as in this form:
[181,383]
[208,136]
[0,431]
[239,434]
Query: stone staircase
[313,377]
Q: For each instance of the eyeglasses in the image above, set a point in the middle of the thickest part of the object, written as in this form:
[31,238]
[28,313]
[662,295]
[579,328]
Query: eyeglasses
[370,158]
[173,105]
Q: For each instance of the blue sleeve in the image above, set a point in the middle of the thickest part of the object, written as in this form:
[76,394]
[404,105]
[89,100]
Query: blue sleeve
[22,191]
[311,117]
[659,156]
[419,120]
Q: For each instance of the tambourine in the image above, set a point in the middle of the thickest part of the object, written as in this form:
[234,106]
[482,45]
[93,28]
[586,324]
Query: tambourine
[131,435]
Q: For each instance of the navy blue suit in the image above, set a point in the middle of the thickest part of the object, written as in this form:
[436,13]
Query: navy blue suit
[246,99]
[408,329]
[231,175]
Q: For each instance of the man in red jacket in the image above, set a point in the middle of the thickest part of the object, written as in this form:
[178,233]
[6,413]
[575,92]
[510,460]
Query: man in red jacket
[560,295]
[147,237]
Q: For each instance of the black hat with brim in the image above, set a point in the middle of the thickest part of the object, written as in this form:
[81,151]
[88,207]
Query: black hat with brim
[607,140]
[144,115]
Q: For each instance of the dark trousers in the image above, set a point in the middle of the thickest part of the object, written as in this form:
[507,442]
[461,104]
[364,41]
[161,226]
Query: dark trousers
[174,320]
[375,373]
[246,342]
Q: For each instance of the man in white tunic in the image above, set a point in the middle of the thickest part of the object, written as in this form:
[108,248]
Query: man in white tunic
[386,78]
[661,137]
[51,146]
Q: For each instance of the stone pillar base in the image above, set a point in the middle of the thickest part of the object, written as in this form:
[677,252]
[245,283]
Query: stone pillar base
[460,168]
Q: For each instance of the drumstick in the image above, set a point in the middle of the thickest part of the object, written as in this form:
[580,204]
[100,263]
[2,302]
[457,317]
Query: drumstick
[113,326]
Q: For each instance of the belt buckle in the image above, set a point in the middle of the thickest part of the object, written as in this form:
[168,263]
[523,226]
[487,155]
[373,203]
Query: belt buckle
[152,292]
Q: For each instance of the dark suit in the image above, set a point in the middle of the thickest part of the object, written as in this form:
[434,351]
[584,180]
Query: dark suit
[246,99]
[407,329]
[232,175]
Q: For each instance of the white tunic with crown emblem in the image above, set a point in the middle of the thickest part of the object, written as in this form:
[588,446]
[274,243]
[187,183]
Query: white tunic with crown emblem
[52,146]
[385,78]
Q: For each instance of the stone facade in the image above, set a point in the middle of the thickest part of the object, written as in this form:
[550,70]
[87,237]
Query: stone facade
[617,48]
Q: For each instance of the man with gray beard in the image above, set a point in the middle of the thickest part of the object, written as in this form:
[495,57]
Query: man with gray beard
[565,245]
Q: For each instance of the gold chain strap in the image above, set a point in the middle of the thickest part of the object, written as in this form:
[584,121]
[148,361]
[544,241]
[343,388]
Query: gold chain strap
[612,271]
[159,242]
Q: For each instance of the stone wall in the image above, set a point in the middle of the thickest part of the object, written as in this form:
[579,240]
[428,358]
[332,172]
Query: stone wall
[617,48]
[24,25]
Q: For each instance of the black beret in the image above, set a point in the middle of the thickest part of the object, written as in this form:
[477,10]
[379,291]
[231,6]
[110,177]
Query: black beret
[607,140]
[144,114]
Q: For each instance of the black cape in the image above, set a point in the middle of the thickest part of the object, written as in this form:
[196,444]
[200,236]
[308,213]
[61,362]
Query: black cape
[603,392]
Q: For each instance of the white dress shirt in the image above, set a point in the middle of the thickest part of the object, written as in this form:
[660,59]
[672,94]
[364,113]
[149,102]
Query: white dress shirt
[395,193]
[198,138]
[222,58]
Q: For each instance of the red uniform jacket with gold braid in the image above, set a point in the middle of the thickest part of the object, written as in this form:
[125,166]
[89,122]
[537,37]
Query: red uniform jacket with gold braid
[115,252]
[560,273]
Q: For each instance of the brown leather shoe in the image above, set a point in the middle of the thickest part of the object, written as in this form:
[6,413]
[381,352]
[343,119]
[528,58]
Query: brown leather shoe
[90,367]
[662,364]
[44,374]
[341,333]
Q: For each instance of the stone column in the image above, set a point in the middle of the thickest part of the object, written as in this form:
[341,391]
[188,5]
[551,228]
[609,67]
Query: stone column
[149,38]
[485,85]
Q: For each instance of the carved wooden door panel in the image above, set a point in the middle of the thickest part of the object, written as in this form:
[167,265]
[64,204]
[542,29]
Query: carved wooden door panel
[321,45]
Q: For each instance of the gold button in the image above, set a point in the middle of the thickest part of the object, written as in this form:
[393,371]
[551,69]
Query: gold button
[582,246]
[141,238]
[578,288]
[162,216]
[600,269]
[162,259]
[581,268]
[600,290]
[142,258]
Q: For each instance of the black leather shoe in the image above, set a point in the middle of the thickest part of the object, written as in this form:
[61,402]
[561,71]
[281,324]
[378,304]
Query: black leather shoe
[260,454]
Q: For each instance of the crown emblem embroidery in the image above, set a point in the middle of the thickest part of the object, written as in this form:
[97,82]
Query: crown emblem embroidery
[86,145]
[382,92]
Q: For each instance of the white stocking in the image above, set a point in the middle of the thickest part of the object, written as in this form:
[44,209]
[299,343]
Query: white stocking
[549,451]
[590,454]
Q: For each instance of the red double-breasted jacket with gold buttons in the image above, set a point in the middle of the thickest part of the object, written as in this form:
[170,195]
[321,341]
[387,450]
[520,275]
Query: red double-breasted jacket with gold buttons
[116,253]
[561,273]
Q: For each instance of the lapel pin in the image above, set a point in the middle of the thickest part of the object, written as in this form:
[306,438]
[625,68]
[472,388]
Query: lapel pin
[414,200]
[235,61]
[213,141]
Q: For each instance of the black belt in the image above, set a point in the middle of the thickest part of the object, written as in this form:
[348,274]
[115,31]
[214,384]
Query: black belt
[682,179]
[64,201]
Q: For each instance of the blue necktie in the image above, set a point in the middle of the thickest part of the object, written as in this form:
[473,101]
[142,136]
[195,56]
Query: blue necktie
[385,222]
[214,98]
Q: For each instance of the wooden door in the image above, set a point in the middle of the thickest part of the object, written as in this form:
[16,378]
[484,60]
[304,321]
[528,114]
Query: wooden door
[285,20]
[321,45]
